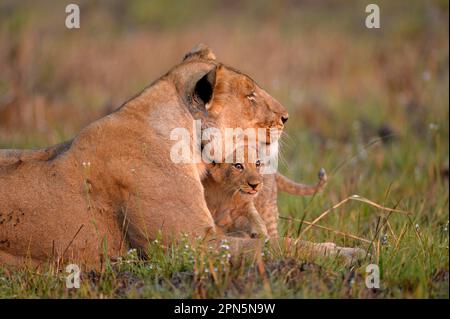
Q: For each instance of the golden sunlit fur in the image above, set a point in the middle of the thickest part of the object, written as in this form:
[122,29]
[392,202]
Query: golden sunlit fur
[114,186]
[107,189]
[266,204]
[230,190]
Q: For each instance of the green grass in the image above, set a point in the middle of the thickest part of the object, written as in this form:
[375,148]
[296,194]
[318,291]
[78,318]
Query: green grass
[342,84]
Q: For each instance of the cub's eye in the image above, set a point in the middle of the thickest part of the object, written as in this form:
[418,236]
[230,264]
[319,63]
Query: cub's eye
[239,166]
[258,163]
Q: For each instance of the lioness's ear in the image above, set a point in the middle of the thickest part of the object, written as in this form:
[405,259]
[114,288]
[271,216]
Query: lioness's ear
[204,88]
[200,51]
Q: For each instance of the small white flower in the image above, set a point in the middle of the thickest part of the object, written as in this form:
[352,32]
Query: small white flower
[384,239]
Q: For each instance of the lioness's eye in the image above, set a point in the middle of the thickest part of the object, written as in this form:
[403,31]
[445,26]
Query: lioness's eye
[258,163]
[251,96]
[239,166]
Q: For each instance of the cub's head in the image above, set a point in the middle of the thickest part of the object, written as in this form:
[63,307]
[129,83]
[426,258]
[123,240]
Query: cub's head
[241,177]
[232,99]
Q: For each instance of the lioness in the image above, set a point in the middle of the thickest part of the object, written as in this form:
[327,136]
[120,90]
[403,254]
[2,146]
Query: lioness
[112,186]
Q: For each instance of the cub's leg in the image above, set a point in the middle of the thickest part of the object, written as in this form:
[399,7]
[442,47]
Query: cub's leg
[257,225]
[249,223]
[266,202]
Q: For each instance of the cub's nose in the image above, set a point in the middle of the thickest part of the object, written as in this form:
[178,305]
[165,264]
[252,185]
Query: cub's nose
[254,184]
[284,118]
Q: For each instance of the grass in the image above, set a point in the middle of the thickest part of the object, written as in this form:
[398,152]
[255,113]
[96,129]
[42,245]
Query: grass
[371,106]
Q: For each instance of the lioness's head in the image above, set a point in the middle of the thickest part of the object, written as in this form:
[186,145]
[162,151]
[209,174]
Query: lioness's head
[230,98]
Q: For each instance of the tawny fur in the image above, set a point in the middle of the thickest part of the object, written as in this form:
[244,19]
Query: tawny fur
[107,189]
[230,191]
[114,185]
[266,203]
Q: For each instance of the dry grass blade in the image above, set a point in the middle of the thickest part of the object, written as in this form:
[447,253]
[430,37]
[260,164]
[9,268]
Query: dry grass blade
[357,198]
[368,201]
[329,229]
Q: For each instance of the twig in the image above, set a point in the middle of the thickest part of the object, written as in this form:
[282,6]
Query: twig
[65,250]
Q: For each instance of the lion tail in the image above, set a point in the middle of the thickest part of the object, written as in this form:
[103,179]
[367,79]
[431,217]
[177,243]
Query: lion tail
[286,185]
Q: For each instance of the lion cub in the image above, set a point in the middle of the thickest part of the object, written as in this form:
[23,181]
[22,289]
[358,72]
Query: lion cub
[230,191]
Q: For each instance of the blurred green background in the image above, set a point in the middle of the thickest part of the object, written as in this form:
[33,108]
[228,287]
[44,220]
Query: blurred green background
[369,105]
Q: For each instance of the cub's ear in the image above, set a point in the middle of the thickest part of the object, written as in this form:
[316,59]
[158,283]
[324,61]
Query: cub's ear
[200,51]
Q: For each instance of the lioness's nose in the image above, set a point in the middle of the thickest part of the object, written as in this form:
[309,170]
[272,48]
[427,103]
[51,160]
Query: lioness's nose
[284,118]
